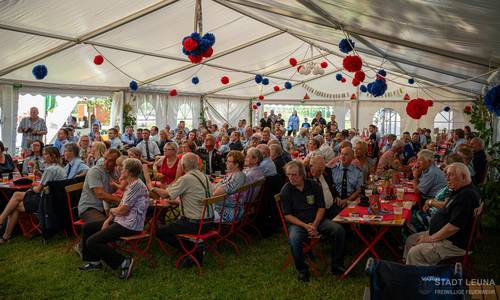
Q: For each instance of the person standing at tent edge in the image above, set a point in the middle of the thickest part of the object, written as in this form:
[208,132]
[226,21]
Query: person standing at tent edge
[33,129]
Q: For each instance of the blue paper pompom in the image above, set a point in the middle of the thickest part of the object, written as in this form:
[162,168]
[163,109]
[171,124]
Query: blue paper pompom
[259,104]
[492,100]
[210,38]
[411,81]
[288,85]
[133,86]
[265,81]
[382,72]
[447,109]
[363,88]
[377,88]
[203,45]
[258,78]
[346,45]
[196,36]
[195,80]
[40,71]
[338,77]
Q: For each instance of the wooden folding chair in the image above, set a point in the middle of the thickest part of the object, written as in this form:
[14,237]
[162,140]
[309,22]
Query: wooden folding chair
[308,247]
[73,208]
[253,202]
[202,237]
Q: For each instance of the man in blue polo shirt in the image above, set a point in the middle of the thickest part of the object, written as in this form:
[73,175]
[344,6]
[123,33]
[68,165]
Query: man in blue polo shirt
[303,206]
[75,166]
[428,178]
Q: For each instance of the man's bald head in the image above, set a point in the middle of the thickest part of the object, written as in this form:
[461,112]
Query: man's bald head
[317,165]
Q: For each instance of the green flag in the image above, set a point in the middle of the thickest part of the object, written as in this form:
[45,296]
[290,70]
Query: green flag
[50,103]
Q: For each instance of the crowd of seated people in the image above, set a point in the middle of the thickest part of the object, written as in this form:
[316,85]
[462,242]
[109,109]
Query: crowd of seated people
[321,170]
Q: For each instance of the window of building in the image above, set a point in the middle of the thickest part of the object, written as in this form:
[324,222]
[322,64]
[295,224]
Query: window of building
[347,119]
[448,120]
[388,121]
[146,115]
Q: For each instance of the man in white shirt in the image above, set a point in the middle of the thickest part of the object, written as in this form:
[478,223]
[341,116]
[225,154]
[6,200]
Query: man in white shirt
[148,148]
[154,135]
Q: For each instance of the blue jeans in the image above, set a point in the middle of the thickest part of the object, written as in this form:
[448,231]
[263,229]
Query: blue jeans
[333,231]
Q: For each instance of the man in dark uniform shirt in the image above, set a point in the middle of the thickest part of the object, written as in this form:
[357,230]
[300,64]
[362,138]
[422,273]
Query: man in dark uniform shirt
[303,206]
[479,160]
[450,227]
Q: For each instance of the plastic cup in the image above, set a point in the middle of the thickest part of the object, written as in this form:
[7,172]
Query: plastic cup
[351,208]
[400,193]
[5,177]
[398,213]
[368,193]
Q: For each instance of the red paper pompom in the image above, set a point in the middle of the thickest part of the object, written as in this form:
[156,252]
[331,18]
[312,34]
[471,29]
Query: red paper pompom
[355,82]
[293,62]
[298,68]
[406,97]
[352,63]
[254,106]
[98,59]
[468,109]
[360,76]
[276,88]
[430,103]
[208,53]
[173,93]
[224,80]
[261,97]
[417,108]
[190,44]
[324,65]
[343,79]
[295,153]
[195,59]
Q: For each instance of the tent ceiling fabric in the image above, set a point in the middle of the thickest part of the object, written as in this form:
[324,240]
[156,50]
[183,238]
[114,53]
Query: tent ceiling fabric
[440,43]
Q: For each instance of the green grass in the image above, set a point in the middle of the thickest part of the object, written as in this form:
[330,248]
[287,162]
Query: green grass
[29,270]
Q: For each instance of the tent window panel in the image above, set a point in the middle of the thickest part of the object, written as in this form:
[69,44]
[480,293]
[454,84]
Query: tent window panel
[146,115]
[185,114]
[388,121]
[347,119]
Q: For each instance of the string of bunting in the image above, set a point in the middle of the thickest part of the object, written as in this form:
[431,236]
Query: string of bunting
[319,93]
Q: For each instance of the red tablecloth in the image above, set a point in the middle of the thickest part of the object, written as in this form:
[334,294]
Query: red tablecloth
[389,207]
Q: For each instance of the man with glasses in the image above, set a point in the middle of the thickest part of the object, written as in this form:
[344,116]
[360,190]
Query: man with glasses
[303,207]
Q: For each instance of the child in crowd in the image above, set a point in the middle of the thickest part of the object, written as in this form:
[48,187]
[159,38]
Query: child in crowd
[224,147]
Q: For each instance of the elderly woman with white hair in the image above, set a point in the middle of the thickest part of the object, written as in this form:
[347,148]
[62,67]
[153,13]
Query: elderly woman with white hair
[451,226]
[125,220]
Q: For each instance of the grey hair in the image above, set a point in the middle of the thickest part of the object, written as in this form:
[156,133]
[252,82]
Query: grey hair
[426,154]
[133,166]
[256,153]
[264,150]
[190,161]
[73,148]
[480,141]
[297,164]
[397,144]
[461,169]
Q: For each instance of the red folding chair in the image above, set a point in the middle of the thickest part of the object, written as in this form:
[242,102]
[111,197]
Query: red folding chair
[72,203]
[253,202]
[466,260]
[202,237]
[28,223]
[309,245]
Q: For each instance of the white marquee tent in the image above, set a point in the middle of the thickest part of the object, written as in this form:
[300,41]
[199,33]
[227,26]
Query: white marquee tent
[451,48]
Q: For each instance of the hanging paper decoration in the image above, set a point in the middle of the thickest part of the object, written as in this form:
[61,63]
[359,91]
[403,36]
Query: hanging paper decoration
[40,71]
[98,59]
[265,81]
[346,45]
[261,97]
[197,47]
[343,80]
[224,80]
[288,85]
[353,96]
[360,76]
[417,108]
[195,80]
[382,73]
[492,100]
[447,109]
[411,81]
[276,88]
[352,63]
[355,82]
[324,65]
[377,88]
[310,90]
[254,106]
[306,97]
[338,77]
[258,78]
[173,92]
[406,97]
[363,88]
[430,103]
[133,85]
[468,110]
[292,61]
[259,104]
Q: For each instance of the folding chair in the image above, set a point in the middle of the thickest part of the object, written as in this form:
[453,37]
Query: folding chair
[466,260]
[28,223]
[252,207]
[391,280]
[200,237]
[72,202]
[309,245]
[228,229]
